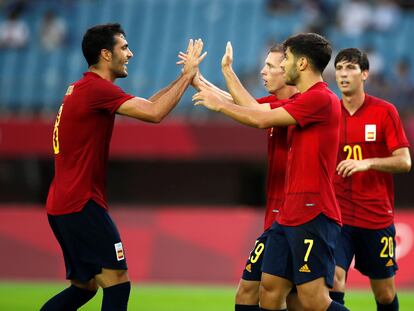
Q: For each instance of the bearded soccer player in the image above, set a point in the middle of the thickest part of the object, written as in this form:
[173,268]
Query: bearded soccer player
[77,204]
[372,146]
[247,295]
[300,246]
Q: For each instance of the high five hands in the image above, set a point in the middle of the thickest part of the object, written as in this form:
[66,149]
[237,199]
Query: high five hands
[192,58]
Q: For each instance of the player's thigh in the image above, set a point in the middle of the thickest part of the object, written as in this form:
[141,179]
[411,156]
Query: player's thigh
[247,292]
[339,280]
[90,285]
[312,247]
[277,259]
[274,291]
[90,242]
[384,289]
[111,277]
[345,247]
[253,268]
[314,295]
[375,252]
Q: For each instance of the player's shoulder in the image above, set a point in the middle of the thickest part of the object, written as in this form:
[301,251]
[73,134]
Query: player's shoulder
[320,93]
[380,104]
[267,99]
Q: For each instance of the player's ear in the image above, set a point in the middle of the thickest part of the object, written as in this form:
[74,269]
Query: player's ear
[106,55]
[302,63]
[365,75]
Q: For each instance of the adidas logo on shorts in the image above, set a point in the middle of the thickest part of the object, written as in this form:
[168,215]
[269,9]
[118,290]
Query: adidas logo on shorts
[304,268]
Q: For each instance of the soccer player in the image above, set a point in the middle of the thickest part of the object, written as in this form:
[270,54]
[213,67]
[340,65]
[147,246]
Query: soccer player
[372,146]
[300,246]
[77,204]
[247,295]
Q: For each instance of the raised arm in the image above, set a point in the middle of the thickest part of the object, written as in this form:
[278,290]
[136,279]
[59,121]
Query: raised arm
[160,104]
[239,93]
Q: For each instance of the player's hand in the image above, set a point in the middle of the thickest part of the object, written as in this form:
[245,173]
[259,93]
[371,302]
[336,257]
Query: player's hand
[192,58]
[196,82]
[347,168]
[227,59]
[208,98]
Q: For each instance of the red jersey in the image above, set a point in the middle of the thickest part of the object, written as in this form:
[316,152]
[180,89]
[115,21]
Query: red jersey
[81,138]
[373,131]
[277,150]
[276,165]
[311,164]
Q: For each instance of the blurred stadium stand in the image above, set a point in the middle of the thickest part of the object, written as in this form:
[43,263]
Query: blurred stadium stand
[33,79]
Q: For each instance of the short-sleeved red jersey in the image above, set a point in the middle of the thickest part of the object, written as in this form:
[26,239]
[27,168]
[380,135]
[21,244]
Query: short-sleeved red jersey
[81,138]
[373,131]
[276,164]
[311,164]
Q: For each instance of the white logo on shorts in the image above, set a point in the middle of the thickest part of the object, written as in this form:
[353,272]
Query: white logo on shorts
[119,250]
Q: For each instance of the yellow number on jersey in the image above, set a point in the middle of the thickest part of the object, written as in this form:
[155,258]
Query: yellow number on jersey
[388,243]
[56,132]
[258,250]
[353,152]
[310,242]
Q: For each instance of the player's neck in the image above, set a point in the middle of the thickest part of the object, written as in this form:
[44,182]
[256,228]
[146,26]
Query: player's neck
[354,101]
[307,80]
[286,92]
[104,74]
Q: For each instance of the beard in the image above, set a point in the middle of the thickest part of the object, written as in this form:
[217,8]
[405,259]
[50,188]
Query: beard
[118,69]
[121,74]
[291,77]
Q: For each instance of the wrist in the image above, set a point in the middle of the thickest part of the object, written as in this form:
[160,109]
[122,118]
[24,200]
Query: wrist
[226,69]
[369,163]
[187,76]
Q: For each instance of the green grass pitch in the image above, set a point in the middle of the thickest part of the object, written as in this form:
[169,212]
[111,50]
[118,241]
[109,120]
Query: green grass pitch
[27,296]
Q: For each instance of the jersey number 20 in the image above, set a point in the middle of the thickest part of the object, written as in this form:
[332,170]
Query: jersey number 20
[353,152]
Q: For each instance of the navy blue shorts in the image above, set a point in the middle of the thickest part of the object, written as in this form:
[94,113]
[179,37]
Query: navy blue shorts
[374,251]
[89,241]
[302,253]
[253,268]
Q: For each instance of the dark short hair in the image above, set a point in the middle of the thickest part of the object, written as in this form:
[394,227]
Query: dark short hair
[97,38]
[314,47]
[354,56]
[277,48]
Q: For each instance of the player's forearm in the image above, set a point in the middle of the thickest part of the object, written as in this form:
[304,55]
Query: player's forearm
[161,92]
[244,115]
[240,95]
[170,97]
[393,164]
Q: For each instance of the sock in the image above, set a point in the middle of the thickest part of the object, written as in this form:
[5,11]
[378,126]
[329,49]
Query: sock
[393,306]
[246,307]
[338,297]
[115,298]
[70,299]
[334,306]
